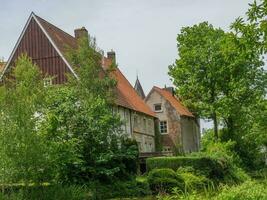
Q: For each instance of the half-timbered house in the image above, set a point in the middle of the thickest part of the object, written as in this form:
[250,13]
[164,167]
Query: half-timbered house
[46,45]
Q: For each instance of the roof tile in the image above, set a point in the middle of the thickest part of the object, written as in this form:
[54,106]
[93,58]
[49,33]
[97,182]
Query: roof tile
[126,95]
[174,101]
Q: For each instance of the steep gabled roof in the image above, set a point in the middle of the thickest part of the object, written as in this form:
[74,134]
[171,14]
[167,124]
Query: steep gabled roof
[173,100]
[129,95]
[58,38]
[139,89]
[61,41]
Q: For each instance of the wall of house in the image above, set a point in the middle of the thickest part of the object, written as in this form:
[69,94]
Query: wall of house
[190,134]
[183,132]
[125,115]
[137,126]
[144,132]
[171,140]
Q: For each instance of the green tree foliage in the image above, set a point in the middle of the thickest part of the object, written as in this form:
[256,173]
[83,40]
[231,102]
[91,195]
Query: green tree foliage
[24,152]
[253,30]
[64,133]
[196,72]
[80,114]
[218,74]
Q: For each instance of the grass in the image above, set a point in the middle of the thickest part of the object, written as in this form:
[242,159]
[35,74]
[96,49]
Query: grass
[249,190]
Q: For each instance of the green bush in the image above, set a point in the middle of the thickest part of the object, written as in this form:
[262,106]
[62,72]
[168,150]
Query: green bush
[164,180]
[58,192]
[120,189]
[192,180]
[235,175]
[249,190]
[210,167]
[259,174]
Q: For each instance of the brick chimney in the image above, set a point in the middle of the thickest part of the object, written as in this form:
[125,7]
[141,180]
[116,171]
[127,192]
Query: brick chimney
[81,33]
[170,89]
[112,55]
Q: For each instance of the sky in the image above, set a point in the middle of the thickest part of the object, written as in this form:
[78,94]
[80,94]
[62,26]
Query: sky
[141,32]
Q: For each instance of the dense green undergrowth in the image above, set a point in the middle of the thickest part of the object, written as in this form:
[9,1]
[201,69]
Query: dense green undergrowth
[249,190]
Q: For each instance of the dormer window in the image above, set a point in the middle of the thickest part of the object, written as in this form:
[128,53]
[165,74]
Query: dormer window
[157,107]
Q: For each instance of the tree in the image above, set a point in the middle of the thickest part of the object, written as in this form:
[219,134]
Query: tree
[251,32]
[197,71]
[24,152]
[80,114]
[219,75]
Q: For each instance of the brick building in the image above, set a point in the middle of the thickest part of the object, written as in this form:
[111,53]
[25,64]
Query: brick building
[179,127]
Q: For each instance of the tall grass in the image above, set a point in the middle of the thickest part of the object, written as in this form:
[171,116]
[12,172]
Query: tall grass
[55,192]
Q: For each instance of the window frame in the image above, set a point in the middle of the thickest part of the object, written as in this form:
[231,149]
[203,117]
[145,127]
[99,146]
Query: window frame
[161,127]
[158,104]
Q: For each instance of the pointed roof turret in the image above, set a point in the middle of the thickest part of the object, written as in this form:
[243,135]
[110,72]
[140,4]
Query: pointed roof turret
[138,88]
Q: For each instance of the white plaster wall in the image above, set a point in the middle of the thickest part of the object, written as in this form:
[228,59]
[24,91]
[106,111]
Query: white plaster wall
[137,126]
[144,131]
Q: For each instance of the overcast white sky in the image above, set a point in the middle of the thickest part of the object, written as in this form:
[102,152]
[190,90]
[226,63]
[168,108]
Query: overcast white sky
[142,33]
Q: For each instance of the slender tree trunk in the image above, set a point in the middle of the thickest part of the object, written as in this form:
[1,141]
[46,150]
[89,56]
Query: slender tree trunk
[215,122]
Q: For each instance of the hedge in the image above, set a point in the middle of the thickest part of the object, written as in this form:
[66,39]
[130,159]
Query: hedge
[164,180]
[210,167]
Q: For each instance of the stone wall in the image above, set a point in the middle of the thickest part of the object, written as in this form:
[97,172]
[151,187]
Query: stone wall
[183,133]
[171,140]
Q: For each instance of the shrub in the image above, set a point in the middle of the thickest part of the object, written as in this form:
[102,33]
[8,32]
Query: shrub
[235,175]
[164,180]
[210,167]
[120,189]
[259,174]
[58,192]
[192,180]
[249,190]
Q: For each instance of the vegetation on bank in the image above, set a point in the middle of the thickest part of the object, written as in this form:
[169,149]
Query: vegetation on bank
[64,142]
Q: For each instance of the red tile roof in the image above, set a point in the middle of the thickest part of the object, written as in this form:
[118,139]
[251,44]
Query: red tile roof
[174,101]
[126,95]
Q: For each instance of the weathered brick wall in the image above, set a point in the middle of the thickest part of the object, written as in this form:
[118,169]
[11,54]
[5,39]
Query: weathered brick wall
[183,133]
[173,138]
[174,127]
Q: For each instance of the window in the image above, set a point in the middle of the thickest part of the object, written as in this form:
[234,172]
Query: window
[163,127]
[166,149]
[144,122]
[47,82]
[157,107]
